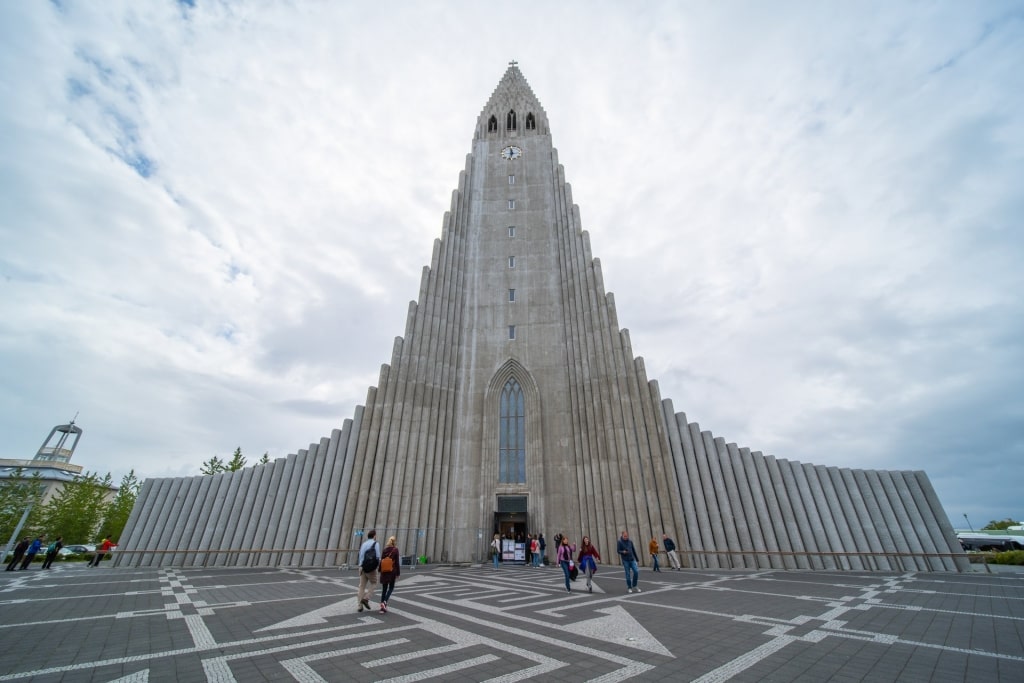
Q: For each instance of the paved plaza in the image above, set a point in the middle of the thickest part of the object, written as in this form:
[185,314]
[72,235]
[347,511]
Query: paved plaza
[74,623]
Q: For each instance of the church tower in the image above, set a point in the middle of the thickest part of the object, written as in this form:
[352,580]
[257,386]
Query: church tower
[513,404]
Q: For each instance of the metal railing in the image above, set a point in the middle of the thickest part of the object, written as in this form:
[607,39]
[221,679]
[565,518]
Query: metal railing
[693,559]
[816,560]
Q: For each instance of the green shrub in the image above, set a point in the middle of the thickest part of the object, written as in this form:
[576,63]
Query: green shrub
[1008,557]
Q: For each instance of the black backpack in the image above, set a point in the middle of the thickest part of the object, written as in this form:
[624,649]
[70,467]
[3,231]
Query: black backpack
[370,561]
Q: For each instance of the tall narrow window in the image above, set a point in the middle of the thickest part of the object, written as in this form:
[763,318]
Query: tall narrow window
[512,435]
[511,261]
[511,231]
[531,123]
[511,331]
[492,124]
[511,295]
[510,120]
[511,180]
[511,205]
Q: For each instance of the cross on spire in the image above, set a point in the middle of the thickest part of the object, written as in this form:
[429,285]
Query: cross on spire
[513,63]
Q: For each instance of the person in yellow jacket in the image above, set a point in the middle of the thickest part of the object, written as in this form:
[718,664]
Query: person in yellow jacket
[653,548]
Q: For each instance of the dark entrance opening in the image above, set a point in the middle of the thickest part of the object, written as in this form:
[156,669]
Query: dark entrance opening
[511,522]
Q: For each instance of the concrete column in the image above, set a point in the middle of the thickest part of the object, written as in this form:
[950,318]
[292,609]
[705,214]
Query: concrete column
[186,538]
[896,490]
[302,496]
[170,516]
[687,527]
[150,524]
[846,519]
[259,514]
[944,530]
[751,523]
[778,521]
[819,513]
[242,512]
[269,513]
[725,536]
[789,508]
[283,508]
[131,537]
[210,516]
[743,540]
[230,519]
[711,532]
[766,512]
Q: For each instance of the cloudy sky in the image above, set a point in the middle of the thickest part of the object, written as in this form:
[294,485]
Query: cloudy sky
[213,217]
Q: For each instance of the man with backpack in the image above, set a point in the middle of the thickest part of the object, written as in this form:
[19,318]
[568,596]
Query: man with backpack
[369,560]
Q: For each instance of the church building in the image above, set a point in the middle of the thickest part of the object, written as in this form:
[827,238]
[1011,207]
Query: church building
[513,404]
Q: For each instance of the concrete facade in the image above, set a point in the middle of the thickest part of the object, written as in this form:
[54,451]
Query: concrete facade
[512,355]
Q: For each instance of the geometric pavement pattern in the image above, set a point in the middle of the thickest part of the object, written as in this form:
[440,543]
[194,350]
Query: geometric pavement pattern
[74,623]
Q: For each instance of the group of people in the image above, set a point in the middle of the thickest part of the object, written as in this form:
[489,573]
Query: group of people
[25,552]
[384,566]
[587,558]
[534,545]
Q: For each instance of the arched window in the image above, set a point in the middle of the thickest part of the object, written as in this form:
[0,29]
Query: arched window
[510,120]
[531,123]
[512,435]
[492,124]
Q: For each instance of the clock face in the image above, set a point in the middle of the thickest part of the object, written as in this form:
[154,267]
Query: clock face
[511,153]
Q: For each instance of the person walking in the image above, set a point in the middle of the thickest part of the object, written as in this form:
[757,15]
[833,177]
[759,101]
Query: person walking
[564,558]
[102,551]
[543,549]
[627,553]
[652,547]
[496,550]
[587,560]
[670,550]
[19,552]
[31,553]
[369,559]
[390,569]
[51,552]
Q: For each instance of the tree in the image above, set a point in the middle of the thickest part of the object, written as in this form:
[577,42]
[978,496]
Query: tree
[77,510]
[18,492]
[998,526]
[265,458]
[212,466]
[120,507]
[237,462]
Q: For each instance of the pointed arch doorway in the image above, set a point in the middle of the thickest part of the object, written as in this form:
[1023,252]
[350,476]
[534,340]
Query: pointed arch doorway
[511,522]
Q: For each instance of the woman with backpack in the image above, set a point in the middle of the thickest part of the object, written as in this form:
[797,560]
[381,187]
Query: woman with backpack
[390,569]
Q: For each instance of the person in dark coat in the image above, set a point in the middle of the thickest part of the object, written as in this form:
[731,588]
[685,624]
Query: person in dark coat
[19,552]
[627,553]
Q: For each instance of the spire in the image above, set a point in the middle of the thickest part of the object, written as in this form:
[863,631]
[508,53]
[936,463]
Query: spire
[513,95]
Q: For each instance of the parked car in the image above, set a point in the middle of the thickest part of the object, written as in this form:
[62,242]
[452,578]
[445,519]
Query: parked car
[77,549]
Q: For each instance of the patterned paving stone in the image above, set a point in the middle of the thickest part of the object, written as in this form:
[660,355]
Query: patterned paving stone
[518,623]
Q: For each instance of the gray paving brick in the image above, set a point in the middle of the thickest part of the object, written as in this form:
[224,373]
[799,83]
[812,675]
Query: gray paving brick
[225,625]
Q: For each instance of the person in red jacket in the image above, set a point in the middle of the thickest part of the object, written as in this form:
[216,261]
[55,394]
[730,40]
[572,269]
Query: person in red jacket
[104,548]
